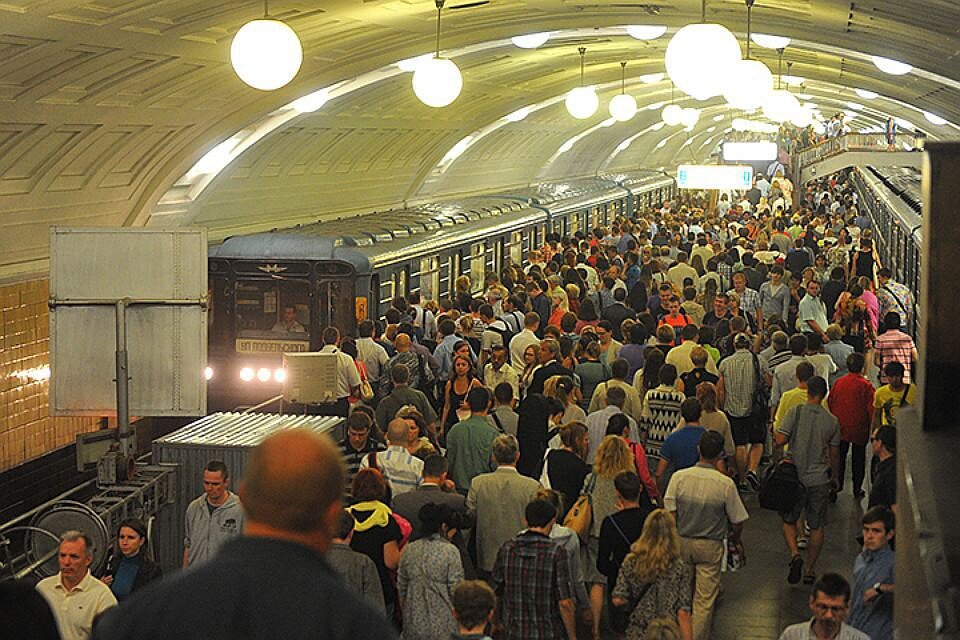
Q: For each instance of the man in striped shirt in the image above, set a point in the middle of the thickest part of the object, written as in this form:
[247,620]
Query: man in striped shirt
[402,470]
[894,345]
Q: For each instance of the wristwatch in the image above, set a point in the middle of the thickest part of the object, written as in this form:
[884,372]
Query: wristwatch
[876,588]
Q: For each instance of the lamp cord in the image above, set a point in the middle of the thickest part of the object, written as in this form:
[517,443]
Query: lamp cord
[583,56]
[266,9]
[623,77]
[749,25]
[703,11]
[439,9]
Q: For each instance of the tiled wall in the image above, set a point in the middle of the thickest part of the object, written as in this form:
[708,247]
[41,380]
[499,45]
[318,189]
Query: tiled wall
[26,429]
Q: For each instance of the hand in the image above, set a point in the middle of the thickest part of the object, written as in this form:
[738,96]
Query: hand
[448,485]
[870,594]
[107,580]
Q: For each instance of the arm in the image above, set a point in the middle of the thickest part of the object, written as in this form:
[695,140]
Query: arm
[721,391]
[685,623]
[834,455]
[391,555]
[186,558]
[446,406]
[661,469]
[567,612]
[877,418]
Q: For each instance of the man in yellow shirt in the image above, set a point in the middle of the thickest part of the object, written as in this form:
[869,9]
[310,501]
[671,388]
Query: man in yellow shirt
[891,396]
[796,396]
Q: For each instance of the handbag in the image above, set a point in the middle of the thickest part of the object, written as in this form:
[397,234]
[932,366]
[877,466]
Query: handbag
[366,390]
[580,517]
[780,488]
[761,394]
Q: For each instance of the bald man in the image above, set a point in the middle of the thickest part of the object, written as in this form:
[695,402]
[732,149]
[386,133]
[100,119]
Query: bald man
[402,470]
[271,582]
[418,366]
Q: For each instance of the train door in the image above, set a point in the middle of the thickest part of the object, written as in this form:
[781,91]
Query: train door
[478,261]
[336,306]
[429,278]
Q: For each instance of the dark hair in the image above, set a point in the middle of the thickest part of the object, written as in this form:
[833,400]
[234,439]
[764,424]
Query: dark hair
[798,344]
[667,374]
[503,392]
[434,466]
[887,436]
[137,525]
[892,320]
[478,399]
[816,387]
[711,444]
[805,371]
[832,585]
[539,513]
[473,601]
[893,369]
[880,514]
[617,424]
[855,362]
[345,524]
[690,409]
[619,368]
[628,485]
[433,516]
[215,466]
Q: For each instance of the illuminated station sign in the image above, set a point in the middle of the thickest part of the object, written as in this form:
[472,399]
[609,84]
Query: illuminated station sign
[714,176]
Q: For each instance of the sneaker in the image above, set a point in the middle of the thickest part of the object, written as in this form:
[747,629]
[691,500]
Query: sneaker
[796,569]
[754,480]
[802,541]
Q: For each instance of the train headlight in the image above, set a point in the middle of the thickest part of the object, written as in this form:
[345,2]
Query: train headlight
[264,374]
[246,374]
[208,373]
[280,375]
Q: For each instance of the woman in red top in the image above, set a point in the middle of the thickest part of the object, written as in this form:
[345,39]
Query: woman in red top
[675,316]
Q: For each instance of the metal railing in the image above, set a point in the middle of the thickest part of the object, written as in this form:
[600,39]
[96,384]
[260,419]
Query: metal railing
[852,142]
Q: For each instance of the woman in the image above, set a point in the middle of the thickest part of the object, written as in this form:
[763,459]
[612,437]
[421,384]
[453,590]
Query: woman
[376,533]
[633,351]
[735,310]
[654,581]
[590,370]
[422,438]
[130,565]
[587,315]
[820,268]
[613,456]
[649,377]
[712,418]
[463,296]
[530,366]
[456,390]
[852,315]
[573,295]
[430,570]
[560,307]
[563,389]
[863,259]
[565,468]
[870,299]
[349,347]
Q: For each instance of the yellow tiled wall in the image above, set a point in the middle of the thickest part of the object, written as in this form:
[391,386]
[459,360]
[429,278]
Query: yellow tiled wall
[26,428]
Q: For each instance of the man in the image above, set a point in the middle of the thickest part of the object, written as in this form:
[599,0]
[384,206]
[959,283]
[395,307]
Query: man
[884,489]
[735,392]
[838,350]
[784,375]
[794,397]
[419,366]
[680,356]
[617,312]
[851,400]
[873,583]
[829,603]
[497,500]
[348,378]
[812,313]
[680,271]
[533,579]
[622,528]
[357,570]
[524,339]
[424,323]
[470,441]
[503,415]
[513,316]
[813,436]
[679,451]
[699,358]
[702,249]
[273,580]
[720,310]
[288,323]
[798,258]
[609,348]
[749,298]
[473,607]
[893,345]
[435,488]
[632,404]
[373,356]
[835,286]
[539,304]
[598,420]
[444,352]
[889,398]
[497,371]
[402,395]
[894,297]
[357,445]
[212,518]
[399,468]
[75,596]
[549,355]
[707,506]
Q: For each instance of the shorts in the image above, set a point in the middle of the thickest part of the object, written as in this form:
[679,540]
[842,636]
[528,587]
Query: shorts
[813,501]
[747,430]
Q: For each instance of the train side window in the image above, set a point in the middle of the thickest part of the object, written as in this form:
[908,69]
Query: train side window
[386,294]
[401,279]
[429,278]
[516,247]
[478,263]
[268,308]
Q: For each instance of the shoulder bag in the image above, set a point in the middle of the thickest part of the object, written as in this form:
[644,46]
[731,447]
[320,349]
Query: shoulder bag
[781,487]
[580,517]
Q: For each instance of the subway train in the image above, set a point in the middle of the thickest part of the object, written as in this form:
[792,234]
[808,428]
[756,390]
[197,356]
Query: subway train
[274,292]
[891,198]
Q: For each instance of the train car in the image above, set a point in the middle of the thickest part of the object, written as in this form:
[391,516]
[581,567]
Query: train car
[274,292]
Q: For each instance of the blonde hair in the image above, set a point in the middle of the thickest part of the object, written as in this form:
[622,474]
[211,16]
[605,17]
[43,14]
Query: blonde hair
[657,548]
[559,387]
[462,284]
[613,456]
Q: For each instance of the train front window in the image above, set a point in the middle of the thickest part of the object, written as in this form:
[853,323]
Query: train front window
[278,309]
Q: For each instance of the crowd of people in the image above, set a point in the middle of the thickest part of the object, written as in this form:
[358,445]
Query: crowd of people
[565,447]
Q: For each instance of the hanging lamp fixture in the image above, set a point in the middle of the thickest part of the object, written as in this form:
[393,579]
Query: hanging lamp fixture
[437,81]
[672,113]
[701,57]
[780,105]
[751,81]
[623,106]
[582,102]
[266,53]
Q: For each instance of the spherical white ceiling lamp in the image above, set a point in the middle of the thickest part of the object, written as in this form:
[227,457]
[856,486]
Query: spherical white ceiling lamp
[750,85]
[531,40]
[582,102]
[645,31]
[671,115]
[780,105]
[623,106]
[700,57]
[437,82]
[770,42]
[266,54]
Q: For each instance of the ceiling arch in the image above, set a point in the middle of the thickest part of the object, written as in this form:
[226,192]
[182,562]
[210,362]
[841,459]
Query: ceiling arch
[106,107]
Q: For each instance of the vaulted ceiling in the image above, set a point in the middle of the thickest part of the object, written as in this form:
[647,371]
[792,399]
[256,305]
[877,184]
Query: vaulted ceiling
[127,112]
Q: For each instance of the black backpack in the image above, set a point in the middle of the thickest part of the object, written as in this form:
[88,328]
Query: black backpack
[781,487]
